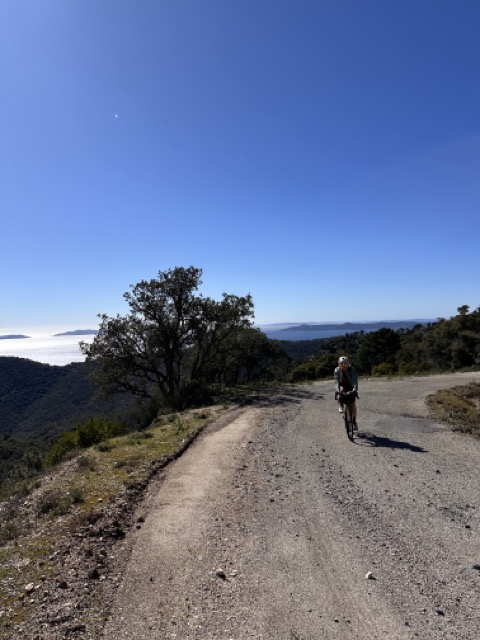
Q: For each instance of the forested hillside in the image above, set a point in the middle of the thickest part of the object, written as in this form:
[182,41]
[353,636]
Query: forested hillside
[445,345]
[41,401]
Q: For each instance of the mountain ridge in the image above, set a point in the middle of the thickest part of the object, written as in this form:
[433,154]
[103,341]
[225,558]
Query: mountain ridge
[355,326]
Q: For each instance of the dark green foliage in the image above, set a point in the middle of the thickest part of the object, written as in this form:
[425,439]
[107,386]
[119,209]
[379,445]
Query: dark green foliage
[22,384]
[383,369]
[445,345]
[42,401]
[96,430]
[378,347]
[87,434]
[301,350]
[325,365]
[314,369]
[305,371]
[66,442]
[172,340]
[20,460]
[246,356]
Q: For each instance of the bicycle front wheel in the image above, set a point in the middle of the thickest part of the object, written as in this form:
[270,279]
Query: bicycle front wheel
[349,421]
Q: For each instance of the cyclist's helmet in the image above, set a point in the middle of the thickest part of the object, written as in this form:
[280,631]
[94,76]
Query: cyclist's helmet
[343,360]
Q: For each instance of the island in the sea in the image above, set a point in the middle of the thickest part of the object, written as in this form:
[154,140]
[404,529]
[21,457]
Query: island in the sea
[78,332]
[14,336]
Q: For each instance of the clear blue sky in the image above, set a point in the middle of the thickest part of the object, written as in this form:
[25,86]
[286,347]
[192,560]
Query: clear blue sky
[322,155]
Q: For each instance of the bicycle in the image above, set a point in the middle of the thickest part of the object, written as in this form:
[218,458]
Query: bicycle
[347,398]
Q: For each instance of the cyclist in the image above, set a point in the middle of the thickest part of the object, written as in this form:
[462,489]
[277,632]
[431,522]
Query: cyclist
[346,379]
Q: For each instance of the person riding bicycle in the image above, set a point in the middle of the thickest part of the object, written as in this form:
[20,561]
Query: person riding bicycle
[346,379]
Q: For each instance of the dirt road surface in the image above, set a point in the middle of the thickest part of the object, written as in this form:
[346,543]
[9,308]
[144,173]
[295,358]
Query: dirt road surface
[268,526]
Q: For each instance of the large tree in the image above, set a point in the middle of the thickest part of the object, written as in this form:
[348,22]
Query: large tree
[171,338]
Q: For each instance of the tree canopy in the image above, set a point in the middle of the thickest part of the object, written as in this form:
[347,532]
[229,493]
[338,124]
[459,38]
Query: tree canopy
[172,339]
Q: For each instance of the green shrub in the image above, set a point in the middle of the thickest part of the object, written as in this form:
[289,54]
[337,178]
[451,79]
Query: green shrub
[86,463]
[68,441]
[383,369]
[54,501]
[10,530]
[103,446]
[23,488]
[305,371]
[77,494]
[95,430]
[137,437]
[414,367]
[85,435]
[325,365]
[129,464]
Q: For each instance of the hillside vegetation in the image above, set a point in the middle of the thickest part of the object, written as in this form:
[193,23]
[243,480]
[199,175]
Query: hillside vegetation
[445,345]
[41,401]
[89,496]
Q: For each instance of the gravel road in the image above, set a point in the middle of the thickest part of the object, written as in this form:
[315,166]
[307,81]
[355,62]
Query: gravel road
[268,526]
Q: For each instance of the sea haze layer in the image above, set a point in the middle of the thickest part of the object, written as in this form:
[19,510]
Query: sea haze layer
[49,349]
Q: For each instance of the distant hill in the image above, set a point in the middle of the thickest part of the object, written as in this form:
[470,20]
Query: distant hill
[78,332]
[13,336]
[40,401]
[355,326]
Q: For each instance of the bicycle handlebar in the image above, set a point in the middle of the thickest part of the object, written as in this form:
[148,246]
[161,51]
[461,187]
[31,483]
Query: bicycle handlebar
[348,394]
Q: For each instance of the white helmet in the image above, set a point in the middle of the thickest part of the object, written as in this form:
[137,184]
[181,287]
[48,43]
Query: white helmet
[342,360]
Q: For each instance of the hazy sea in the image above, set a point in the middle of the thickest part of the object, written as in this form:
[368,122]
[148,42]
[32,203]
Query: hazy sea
[44,346]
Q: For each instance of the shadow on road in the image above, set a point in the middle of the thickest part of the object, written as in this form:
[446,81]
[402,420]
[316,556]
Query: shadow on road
[370,440]
[281,397]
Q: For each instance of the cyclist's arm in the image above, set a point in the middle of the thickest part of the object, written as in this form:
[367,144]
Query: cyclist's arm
[336,377]
[354,379]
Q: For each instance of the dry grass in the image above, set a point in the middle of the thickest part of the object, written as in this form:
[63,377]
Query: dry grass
[459,407]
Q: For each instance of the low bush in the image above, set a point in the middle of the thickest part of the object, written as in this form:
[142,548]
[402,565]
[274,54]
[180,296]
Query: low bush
[305,371]
[77,494]
[137,437]
[55,502]
[89,433]
[413,368]
[383,369]
[86,463]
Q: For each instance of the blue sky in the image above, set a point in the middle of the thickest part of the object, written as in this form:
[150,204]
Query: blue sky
[323,155]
